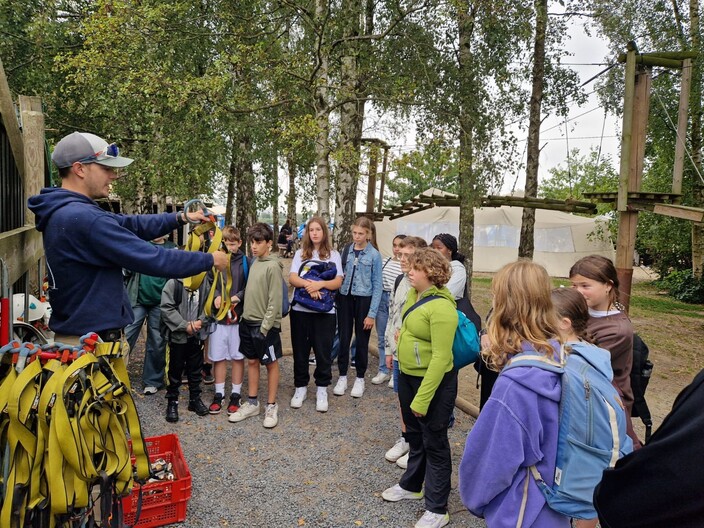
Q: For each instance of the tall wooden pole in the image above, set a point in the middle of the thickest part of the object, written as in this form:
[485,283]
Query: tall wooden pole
[382,183]
[635,122]
[683,111]
[373,167]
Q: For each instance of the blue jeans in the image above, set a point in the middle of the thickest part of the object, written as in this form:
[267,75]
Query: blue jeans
[382,317]
[155,349]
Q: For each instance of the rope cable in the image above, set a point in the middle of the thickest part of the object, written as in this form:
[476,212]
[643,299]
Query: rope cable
[677,133]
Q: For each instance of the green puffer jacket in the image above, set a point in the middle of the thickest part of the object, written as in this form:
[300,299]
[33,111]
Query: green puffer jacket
[425,342]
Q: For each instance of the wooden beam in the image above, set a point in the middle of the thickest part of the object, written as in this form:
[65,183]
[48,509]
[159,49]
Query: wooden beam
[33,136]
[679,55]
[685,84]
[9,119]
[21,249]
[384,168]
[680,211]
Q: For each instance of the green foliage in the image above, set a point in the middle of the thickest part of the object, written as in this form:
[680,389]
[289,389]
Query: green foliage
[684,286]
[433,166]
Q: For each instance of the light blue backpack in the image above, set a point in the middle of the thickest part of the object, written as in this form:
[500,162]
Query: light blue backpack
[592,431]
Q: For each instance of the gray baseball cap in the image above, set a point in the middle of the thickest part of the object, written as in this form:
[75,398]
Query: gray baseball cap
[87,148]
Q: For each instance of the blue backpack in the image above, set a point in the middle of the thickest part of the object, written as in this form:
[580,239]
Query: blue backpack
[465,347]
[592,431]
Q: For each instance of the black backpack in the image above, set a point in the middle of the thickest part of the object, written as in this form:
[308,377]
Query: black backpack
[641,371]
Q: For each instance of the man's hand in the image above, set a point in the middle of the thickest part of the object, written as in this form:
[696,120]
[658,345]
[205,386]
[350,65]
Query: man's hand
[389,361]
[220,260]
[217,302]
[196,217]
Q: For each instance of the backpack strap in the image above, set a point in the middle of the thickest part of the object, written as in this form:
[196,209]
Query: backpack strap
[397,282]
[345,255]
[245,267]
[385,263]
[418,305]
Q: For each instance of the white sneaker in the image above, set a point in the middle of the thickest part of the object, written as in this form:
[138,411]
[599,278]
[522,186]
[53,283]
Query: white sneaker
[397,493]
[391,382]
[299,397]
[271,416]
[380,378]
[150,389]
[321,400]
[402,462]
[357,388]
[340,386]
[246,411]
[399,449]
[433,520]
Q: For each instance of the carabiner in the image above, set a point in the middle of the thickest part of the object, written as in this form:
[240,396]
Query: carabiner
[196,201]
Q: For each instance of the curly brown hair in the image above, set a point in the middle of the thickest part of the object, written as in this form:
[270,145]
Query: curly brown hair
[435,266]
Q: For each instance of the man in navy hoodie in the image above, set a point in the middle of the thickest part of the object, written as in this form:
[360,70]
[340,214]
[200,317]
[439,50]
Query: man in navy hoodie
[87,247]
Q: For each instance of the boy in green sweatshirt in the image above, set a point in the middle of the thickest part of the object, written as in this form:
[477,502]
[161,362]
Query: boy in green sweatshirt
[260,325]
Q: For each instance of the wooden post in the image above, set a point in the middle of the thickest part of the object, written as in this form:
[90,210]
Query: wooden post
[627,131]
[628,218]
[685,85]
[383,178]
[33,135]
[9,119]
[373,167]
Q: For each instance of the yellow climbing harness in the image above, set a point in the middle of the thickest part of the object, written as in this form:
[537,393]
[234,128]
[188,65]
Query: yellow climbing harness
[195,242]
[66,416]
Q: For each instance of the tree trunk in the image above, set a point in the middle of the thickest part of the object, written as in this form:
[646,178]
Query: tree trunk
[274,179]
[291,200]
[351,119]
[695,108]
[527,242]
[322,118]
[246,214]
[231,186]
[467,175]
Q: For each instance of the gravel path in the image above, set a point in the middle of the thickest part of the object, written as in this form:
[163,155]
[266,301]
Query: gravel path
[313,469]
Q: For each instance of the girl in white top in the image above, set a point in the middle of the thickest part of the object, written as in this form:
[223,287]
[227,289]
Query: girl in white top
[447,245]
[310,329]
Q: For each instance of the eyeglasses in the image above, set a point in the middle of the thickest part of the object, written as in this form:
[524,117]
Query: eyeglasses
[404,256]
[111,151]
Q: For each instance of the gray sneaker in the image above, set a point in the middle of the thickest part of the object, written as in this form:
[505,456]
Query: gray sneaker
[246,411]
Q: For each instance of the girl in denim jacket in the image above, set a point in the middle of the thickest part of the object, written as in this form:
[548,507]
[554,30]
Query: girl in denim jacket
[357,303]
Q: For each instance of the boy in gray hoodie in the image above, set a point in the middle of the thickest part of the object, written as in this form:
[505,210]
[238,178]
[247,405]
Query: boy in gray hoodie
[260,325]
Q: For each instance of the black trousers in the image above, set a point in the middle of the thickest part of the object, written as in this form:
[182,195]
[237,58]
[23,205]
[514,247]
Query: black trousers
[316,331]
[185,357]
[351,311]
[429,458]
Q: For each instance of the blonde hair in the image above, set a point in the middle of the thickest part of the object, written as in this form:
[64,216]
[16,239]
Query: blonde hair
[432,262]
[307,245]
[522,312]
[231,234]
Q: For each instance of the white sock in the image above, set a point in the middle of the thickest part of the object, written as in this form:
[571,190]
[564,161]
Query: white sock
[322,390]
[237,389]
[220,387]
[343,378]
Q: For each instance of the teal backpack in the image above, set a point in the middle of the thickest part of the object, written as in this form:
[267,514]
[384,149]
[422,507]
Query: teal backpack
[465,347]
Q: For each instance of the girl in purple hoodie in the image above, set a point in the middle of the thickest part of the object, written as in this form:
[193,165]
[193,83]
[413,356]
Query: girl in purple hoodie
[518,426]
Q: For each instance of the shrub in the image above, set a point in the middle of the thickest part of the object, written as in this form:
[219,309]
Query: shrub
[684,286]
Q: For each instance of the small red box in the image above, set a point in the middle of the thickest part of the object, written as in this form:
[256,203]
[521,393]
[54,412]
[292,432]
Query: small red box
[164,502]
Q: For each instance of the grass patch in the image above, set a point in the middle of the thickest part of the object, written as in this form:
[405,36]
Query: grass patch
[667,305]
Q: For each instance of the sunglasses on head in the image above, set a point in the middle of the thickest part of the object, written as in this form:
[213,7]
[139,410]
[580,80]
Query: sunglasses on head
[110,151]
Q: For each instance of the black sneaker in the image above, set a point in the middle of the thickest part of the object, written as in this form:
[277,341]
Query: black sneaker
[216,406]
[197,406]
[234,404]
[172,411]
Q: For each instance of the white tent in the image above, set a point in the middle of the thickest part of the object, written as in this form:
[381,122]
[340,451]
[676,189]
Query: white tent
[560,238]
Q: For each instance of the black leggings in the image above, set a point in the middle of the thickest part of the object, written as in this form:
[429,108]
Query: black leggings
[351,311]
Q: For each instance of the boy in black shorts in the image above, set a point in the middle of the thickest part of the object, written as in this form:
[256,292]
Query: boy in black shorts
[260,325]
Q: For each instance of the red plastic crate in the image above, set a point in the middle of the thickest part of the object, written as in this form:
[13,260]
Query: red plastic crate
[164,502]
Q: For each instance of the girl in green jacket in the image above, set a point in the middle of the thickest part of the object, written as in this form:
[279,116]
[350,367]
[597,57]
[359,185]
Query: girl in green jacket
[427,386]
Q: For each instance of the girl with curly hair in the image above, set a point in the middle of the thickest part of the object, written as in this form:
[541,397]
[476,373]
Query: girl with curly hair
[427,385]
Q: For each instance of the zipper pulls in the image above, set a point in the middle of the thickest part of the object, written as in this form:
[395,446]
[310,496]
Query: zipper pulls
[587,390]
